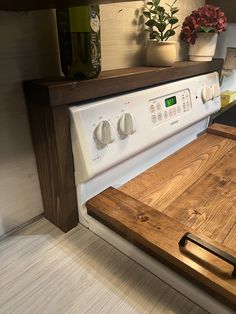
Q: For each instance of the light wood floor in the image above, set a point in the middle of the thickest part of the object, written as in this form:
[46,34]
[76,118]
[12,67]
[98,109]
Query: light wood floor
[43,270]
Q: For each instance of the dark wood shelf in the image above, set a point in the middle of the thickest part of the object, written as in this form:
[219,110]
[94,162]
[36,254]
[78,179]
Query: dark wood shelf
[60,91]
[28,5]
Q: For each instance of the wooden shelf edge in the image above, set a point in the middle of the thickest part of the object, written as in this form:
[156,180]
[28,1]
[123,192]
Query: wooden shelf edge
[31,5]
[61,91]
[222,130]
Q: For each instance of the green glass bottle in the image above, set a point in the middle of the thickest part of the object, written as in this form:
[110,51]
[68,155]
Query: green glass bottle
[79,41]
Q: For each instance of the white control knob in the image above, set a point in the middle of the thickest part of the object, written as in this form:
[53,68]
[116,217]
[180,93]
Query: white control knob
[216,90]
[104,133]
[206,94]
[126,125]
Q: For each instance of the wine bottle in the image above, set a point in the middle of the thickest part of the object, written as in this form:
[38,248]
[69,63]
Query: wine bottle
[79,41]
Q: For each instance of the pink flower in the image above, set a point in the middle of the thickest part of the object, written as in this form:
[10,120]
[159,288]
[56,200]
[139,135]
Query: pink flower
[206,19]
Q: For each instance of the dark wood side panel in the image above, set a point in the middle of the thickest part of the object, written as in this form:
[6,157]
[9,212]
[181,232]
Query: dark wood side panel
[159,235]
[228,6]
[51,138]
[223,130]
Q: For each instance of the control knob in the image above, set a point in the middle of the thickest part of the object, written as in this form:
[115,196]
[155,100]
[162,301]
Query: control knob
[104,133]
[206,94]
[126,125]
[216,90]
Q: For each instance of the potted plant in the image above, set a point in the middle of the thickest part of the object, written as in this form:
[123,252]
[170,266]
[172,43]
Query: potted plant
[200,30]
[161,25]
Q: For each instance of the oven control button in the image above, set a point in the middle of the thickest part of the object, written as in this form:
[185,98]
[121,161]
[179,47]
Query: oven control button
[154,119]
[126,124]
[206,94]
[216,90]
[104,133]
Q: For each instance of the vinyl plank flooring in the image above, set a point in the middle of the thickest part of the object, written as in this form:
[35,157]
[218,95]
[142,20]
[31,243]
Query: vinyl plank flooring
[43,270]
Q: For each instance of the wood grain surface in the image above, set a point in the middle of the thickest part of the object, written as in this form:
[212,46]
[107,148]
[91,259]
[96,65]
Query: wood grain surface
[195,188]
[209,205]
[158,234]
[59,91]
[163,183]
[52,144]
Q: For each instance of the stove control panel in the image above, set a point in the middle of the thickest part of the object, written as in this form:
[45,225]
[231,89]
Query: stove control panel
[169,106]
[108,131]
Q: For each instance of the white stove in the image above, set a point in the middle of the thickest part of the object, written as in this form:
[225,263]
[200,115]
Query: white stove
[117,138]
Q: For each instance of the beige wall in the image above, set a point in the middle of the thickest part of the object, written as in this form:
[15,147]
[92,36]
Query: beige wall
[27,51]
[123,40]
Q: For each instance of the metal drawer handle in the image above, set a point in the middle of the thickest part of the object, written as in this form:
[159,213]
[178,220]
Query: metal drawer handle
[210,248]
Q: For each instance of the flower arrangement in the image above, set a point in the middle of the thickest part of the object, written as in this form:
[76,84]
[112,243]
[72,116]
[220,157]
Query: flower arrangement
[207,19]
[161,22]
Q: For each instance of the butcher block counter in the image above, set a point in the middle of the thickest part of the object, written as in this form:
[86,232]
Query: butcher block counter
[182,211]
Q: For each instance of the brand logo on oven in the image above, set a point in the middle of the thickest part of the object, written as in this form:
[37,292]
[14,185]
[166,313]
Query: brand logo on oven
[174,122]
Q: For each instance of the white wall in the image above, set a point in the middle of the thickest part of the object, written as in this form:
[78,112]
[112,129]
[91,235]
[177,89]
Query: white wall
[227,39]
[27,51]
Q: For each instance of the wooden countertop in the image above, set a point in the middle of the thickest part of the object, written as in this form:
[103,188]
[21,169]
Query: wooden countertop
[193,190]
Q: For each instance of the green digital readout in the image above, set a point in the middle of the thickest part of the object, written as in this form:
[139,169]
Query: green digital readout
[171,101]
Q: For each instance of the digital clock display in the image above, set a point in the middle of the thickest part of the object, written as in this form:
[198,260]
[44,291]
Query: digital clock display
[171,101]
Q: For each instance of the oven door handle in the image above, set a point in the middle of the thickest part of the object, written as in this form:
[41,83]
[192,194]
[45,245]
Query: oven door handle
[210,248]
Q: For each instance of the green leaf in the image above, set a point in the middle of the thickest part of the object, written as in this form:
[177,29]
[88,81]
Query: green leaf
[147,14]
[169,33]
[156,3]
[161,26]
[150,23]
[205,29]
[174,10]
[160,9]
[173,20]
[155,35]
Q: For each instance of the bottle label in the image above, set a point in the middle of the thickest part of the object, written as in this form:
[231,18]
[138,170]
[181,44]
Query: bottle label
[94,22]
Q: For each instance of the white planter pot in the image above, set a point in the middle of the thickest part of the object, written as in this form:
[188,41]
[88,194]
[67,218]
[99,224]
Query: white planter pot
[161,53]
[204,47]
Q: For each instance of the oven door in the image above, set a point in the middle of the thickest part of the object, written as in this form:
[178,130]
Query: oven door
[182,212]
